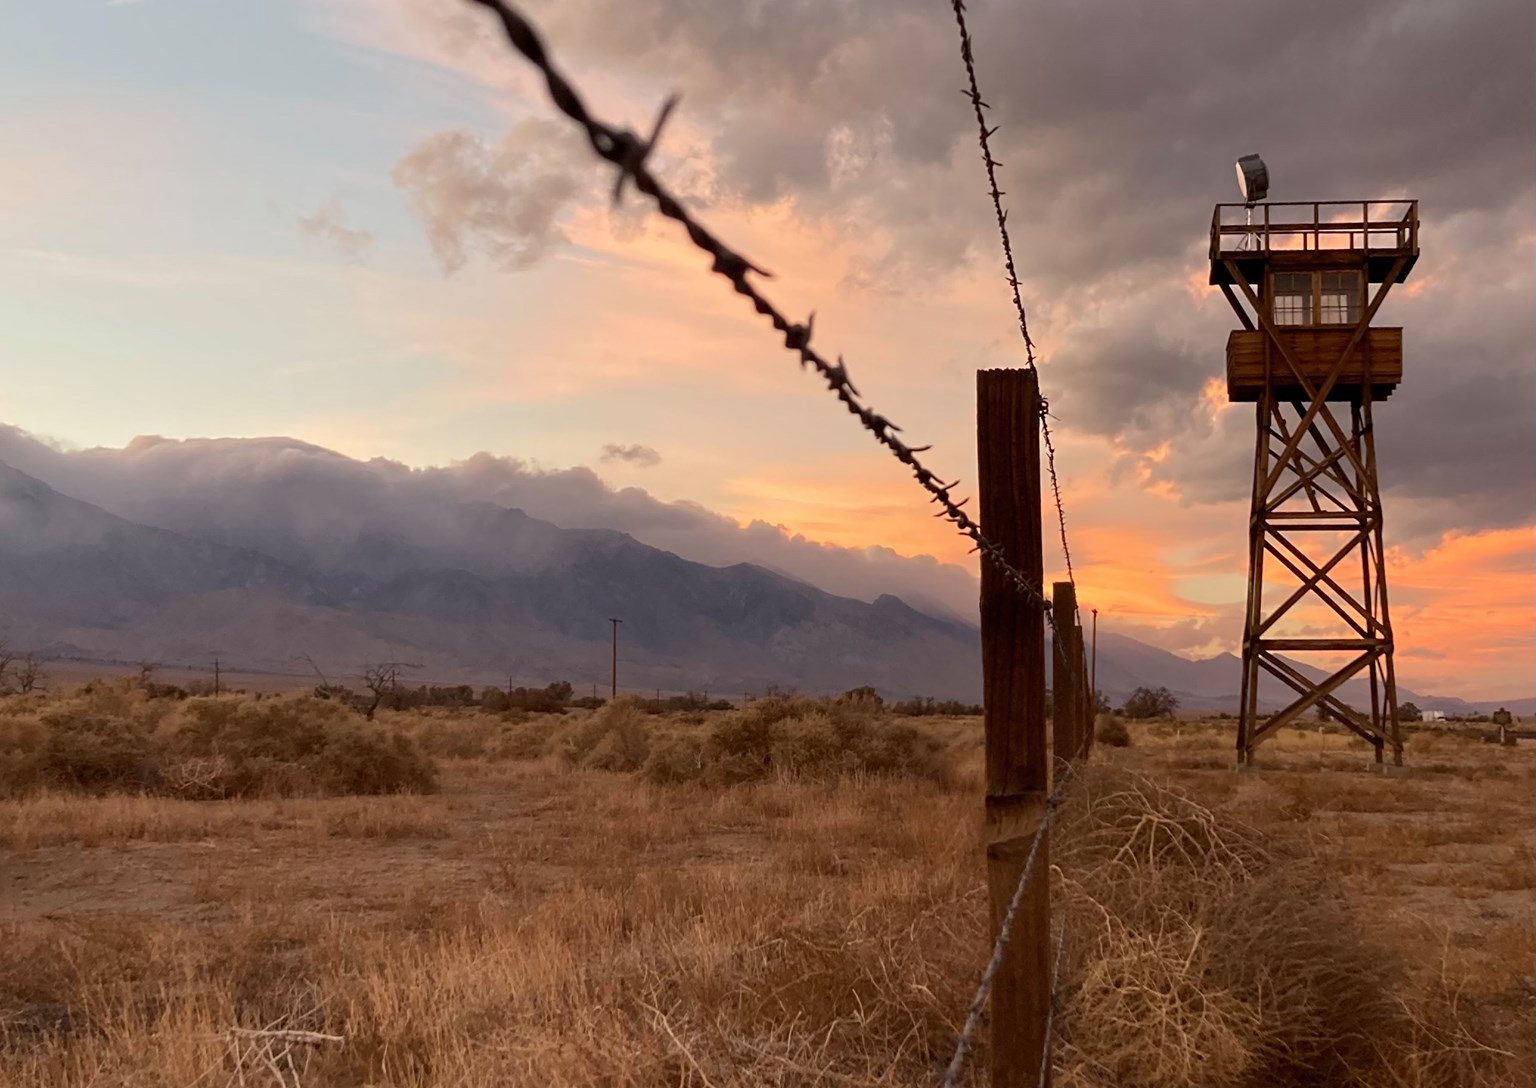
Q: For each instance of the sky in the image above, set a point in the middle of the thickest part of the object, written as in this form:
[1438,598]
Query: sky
[360,224]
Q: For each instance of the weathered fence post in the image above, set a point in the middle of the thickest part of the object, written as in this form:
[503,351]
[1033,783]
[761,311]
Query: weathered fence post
[1013,682]
[1066,712]
[1086,704]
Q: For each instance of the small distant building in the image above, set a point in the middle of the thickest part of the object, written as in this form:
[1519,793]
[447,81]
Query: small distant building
[1433,716]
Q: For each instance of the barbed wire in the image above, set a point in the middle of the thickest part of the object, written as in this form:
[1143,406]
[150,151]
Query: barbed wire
[984,137]
[1005,928]
[629,153]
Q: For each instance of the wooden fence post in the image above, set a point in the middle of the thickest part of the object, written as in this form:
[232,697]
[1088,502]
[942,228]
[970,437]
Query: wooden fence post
[1013,682]
[1085,703]
[1066,715]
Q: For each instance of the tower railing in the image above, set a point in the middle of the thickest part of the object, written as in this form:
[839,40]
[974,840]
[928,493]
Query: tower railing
[1380,227]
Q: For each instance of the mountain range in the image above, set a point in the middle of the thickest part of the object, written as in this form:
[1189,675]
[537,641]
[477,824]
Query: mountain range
[475,592]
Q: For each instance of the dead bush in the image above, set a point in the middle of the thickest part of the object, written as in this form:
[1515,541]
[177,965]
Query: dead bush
[675,759]
[1112,732]
[615,738]
[809,739]
[111,739]
[1207,954]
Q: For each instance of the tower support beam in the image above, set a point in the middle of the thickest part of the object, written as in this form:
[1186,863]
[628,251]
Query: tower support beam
[1309,626]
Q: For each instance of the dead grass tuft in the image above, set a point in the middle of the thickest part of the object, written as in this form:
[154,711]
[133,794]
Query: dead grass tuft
[1208,953]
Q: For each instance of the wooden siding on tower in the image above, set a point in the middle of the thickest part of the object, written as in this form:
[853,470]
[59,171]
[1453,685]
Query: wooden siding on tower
[1252,360]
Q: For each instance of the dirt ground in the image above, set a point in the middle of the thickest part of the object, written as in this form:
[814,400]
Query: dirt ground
[1438,860]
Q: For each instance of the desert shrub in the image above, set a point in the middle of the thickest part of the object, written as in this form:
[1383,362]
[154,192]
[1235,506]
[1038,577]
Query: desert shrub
[523,741]
[1151,703]
[296,744]
[806,738]
[114,739]
[1111,731]
[924,706]
[863,698]
[674,759]
[98,755]
[616,738]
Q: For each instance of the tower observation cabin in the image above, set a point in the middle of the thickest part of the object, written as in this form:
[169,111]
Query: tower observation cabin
[1306,282]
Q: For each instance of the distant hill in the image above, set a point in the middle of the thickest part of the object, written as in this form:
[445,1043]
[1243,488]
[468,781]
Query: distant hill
[504,594]
[474,592]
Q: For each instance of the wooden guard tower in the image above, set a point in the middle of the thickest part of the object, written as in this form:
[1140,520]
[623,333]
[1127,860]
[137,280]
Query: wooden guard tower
[1305,281]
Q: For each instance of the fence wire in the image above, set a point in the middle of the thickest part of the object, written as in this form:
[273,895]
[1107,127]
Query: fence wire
[956,1067]
[984,137]
[985,133]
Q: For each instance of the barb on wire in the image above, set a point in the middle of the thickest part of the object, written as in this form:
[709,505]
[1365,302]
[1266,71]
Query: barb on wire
[1004,932]
[985,134]
[629,153]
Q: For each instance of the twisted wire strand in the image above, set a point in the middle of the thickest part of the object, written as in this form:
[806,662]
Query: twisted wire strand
[1050,1010]
[1068,768]
[984,137]
[629,153]
[1004,933]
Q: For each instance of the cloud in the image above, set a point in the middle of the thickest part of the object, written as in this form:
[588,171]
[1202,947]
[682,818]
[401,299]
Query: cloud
[642,456]
[326,225]
[293,500]
[1117,136]
[504,197]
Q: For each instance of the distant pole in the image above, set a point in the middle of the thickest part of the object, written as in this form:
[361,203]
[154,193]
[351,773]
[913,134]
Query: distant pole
[1066,723]
[1093,666]
[1013,684]
[216,674]
[614,692]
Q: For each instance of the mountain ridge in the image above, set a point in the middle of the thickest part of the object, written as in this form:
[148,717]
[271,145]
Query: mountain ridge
[484,590]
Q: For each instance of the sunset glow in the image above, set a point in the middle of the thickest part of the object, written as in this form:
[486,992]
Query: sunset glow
[216,251]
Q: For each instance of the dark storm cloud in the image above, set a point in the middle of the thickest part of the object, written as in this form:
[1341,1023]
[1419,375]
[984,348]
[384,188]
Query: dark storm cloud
[1119,125]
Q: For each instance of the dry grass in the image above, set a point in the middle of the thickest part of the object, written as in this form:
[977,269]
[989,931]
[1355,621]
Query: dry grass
[543,921]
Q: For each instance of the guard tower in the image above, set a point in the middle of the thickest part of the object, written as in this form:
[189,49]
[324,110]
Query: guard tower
[1305,281]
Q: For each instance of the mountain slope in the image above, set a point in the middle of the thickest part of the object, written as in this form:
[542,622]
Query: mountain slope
[71,562]
[503,593]
[475,591]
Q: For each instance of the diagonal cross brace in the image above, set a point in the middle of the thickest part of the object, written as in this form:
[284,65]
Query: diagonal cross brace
[1318,576]
[1320,397]
[1301,379]
[1311,697]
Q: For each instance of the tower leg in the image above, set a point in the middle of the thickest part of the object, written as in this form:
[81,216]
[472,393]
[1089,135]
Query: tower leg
[1248,692]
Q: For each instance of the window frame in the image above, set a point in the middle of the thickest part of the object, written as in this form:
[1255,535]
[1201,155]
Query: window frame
[1312,316]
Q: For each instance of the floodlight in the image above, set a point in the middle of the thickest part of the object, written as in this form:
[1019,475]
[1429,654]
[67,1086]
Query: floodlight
[1252,178]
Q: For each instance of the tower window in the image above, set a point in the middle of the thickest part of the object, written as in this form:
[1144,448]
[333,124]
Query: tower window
[1339,298]
[1293,298]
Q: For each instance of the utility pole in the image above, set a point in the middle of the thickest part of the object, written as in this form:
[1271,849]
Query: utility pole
[216,674]
[614,690]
